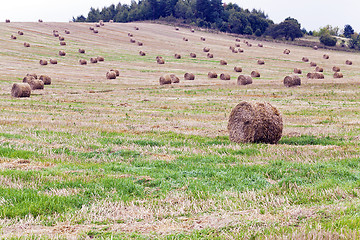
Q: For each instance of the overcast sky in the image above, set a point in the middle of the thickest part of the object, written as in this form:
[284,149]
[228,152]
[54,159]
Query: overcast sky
[312,14]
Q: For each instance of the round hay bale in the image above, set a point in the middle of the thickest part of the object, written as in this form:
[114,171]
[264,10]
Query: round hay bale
[260,45]
[223,62]
[97,25]
[141,53]
[244,80]
[40,20]
[292,81]
[325,56]
[61,38]
[348,62]
[235,51]
[117,72]
[310,75]
[132,40]
[95,31]
[286,51]
[46,79]
[136,28]
[56,34]
[101,22]
[165,79]
[160,60]
[111,75]
[237,69]
[174,78]
[206,49]
[176,29]
[240,50]
[82,62]
[62,53]
[13,37]
[338,75]
[237,40]
[313,64]
[36,84]
[111,21]
[336,69]
[43,62]
[261,62]
[231,48]
[7,20]
[100,59]
[210,55]
[192,30]
[185,39]
[139,43]
[189,76]
[67,31]
[20,33]
[297,70]
[249,44]
[255,74]
[193,55]
[225,76]
[319,69]
[93,60]
[305,59]
[20,90]
[318,75]
[26,44]
[212,75]
[62,43]
[34,75]
[91,28]
[81,50]
[237,45]
[202,39]
[177,56]
[255,123]
[315,47]
[53,61]
[28,78]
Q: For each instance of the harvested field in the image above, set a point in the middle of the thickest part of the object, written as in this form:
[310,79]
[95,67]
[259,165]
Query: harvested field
[127,158]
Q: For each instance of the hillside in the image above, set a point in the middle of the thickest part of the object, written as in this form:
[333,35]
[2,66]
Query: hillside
[129,158]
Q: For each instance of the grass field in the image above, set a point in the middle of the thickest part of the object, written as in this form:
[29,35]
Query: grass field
[127,158]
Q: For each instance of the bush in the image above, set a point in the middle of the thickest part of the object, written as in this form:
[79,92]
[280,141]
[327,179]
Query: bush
[258,33]
[328,40]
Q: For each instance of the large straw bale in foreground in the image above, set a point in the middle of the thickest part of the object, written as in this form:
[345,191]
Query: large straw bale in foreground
[255,123]
[20,90]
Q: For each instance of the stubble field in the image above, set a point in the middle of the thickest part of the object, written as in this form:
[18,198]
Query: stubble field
[89,157]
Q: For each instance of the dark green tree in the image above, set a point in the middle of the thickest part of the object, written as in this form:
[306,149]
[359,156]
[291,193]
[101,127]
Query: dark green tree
[288,29]
[328,40]
[348,31]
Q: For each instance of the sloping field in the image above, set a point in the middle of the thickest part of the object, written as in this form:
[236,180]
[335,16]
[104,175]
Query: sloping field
[89,157]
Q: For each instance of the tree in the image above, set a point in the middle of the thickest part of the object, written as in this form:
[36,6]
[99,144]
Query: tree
[328,40]
[289,29]
[238,22]
[348,31]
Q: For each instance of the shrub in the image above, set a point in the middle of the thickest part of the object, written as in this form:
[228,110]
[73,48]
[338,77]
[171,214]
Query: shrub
[258,33]
[328,40]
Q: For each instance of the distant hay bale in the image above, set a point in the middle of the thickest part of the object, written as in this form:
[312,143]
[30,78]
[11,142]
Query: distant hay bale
[174,78]
[82,62]
[189,76]
[40,20]
[81,50]
[255,74]
[255,123]
[111,21]
[117,72]
[231,48]
[193,55]
[249,44]
[56,34]
[206,49]
[237,45]
[325,56]
[62,53]
[53,61]
[34,75]
[212,75]
[177,29]
[192,30]
[46,79]
[348,62]
[160,60]
[26,44]
[319,69]
[286,51]
[319,75]
[338,75]
[310,75]
[315,47]
[240,50]
[185,39]
[202,39]
[97,25]
[93,60]
[313,64]
[237,69]
[136,28]
[7,20]
[91,28]
[223,62]
[101,22]
[36,84]
[297,70]
[260,45]
[62,43]
[225,76]
[177,56]
[67,31]
[28,78]
[100,59]
[235,51]
[95,31]
[210,55]
[111,75]
[292,81]
[139,43]
[61,38]
[43,62]
[132,40]
[165,79]
[237,40]
[336,69]
[20,33]
[261,62]
[305,59]
[13,37]
[141,53]
[20,90]
[244,80]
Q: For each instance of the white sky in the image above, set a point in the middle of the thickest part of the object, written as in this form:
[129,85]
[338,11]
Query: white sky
[312,14]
